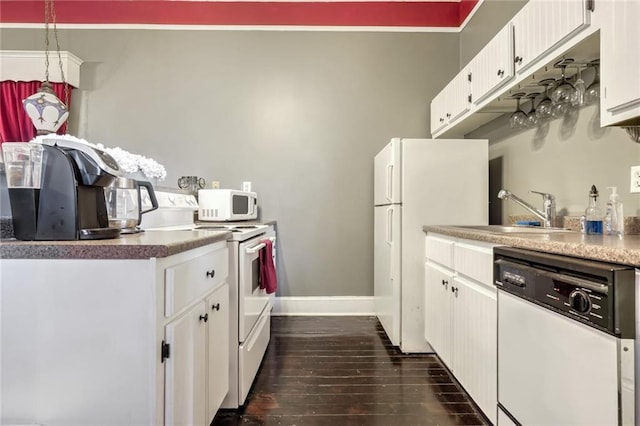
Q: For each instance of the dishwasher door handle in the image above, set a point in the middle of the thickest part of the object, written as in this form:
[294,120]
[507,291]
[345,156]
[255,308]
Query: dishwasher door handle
[591,285]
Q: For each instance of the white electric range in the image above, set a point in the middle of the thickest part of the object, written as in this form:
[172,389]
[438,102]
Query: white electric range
[250,306]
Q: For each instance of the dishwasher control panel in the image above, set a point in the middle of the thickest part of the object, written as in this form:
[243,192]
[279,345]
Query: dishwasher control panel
[596,293]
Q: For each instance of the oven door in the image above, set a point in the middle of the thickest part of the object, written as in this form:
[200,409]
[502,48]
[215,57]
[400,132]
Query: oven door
[252,299]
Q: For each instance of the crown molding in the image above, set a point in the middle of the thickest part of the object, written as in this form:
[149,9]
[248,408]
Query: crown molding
[28,65]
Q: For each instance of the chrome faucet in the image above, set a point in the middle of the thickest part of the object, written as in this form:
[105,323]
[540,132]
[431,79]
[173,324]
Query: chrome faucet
[547,215]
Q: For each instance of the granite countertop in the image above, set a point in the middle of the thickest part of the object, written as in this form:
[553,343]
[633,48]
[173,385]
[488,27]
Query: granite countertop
[606,248]
[144,245]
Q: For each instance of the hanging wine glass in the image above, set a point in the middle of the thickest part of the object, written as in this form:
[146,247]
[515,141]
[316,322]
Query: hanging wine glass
[518,119]
[579,95]
[532,116]
[592,95]
[565,91]
[544,110]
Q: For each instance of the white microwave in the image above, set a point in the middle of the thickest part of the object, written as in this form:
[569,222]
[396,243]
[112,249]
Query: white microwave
[219,205]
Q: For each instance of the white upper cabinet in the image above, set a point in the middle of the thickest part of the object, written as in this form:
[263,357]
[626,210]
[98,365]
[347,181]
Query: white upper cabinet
[438,111]
[452,102]
[493,66]
[459,95]
[542,25]
[537,36]
[620,61]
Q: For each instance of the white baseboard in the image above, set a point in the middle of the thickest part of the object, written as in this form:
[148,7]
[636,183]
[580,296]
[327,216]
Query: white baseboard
[323,305]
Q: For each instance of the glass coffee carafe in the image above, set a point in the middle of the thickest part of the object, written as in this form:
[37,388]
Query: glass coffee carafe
[23,168]
[124,203]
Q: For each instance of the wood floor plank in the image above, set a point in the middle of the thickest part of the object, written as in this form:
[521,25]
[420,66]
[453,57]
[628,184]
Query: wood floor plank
[338,371]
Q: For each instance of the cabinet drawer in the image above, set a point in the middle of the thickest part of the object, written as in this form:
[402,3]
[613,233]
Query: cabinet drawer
[439,250]
[190,280]
[475,261]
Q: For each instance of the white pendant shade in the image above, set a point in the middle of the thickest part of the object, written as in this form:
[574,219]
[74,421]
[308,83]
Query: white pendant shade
[46,111]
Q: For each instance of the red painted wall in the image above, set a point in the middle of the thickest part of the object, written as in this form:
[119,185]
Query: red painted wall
[167,12]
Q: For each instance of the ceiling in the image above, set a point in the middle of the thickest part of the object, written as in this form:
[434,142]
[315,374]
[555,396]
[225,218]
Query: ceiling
[421,15]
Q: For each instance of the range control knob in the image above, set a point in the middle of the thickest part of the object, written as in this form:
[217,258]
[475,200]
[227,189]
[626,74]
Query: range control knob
[580,302]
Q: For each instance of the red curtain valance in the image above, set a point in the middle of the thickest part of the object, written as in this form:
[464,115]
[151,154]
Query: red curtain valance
[15,125]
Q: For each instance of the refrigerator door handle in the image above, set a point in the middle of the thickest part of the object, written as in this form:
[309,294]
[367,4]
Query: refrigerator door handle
[389,181]
[390,225]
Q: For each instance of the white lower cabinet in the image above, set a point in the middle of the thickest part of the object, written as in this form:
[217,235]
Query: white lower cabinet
[185,369]
[197,369]
[475,342]
[115,341]
[217,350]
[438,324]
[461,315]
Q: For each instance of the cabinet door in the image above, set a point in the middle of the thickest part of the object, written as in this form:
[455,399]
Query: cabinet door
[438,282]
[529,37]
[185,372]
[475,331]
[452,102]
[493,66]
[438,111]
[620,57]
[217,349]
[458,95]
[541,25]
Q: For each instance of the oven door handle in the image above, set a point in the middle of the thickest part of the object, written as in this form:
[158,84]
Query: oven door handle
[258,247]
[600,288]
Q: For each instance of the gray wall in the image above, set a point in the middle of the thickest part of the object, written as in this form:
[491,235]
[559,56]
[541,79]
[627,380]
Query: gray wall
[300,114]
[564,158]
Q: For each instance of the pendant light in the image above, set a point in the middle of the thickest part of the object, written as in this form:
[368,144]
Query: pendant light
[46,111]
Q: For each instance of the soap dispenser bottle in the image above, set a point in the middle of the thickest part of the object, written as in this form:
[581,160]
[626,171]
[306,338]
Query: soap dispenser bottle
[614,216]
[593,214]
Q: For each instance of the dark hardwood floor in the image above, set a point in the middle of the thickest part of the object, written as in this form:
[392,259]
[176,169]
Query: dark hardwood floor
[343,371]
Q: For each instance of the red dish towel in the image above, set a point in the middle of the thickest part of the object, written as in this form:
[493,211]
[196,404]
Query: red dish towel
[268,278]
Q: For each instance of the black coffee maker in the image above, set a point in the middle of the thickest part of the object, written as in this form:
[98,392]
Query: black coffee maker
[70,203]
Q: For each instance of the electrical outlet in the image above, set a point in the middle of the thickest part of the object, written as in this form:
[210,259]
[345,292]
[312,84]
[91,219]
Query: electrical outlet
[215,184]
[635,180]
[246,186]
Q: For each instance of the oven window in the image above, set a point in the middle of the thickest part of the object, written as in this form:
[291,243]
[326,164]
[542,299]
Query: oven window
[255,275]
[240,204]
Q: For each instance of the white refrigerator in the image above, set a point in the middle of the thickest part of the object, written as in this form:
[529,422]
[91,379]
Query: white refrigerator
[420,182]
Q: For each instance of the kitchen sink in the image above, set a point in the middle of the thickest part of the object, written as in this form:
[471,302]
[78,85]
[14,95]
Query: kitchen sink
[503,229]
